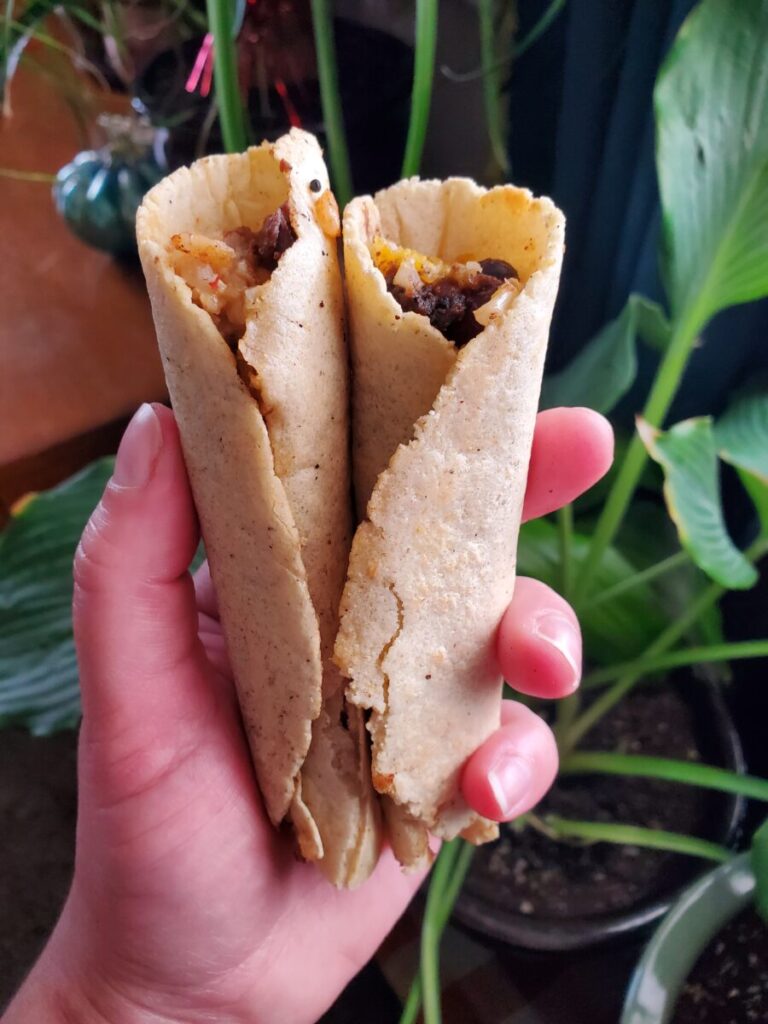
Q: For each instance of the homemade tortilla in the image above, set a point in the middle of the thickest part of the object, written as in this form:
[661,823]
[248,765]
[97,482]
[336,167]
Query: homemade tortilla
[264,426]
[442,438]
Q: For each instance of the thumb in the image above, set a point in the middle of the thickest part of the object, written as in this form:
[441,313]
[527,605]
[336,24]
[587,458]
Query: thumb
[135,618]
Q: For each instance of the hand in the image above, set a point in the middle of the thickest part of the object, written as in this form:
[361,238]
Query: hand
[186,905]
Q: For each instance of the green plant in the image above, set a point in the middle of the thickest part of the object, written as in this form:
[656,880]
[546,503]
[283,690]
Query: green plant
[221,18]
[24,21]
[38,666]
[329,93]
[711,105]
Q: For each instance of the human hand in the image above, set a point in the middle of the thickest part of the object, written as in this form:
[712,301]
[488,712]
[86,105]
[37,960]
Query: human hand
[186,905]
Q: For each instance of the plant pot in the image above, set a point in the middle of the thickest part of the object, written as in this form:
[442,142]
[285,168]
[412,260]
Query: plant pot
[695,919]
[491,901]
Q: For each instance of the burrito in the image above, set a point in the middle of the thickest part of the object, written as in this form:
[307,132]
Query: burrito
[450,290]
[240,257]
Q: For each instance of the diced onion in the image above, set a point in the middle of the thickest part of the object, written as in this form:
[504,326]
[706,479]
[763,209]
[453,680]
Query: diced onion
[499,303]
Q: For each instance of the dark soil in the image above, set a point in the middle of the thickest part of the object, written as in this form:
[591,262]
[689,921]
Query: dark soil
[528,873]
[729,982]
[37,841]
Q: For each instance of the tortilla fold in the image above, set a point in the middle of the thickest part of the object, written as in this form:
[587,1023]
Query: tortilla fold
[442,439]
[265,437]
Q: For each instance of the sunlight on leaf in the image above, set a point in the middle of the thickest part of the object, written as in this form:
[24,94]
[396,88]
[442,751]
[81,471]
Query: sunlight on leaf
[711,102]
[688,457]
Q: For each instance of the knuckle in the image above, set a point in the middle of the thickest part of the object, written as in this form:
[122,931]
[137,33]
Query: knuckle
[95,557]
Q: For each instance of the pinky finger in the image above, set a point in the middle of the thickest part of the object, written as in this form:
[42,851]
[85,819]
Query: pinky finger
[514,768]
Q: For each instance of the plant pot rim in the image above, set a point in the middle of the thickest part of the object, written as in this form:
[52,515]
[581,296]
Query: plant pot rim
[697,916]
[550,935]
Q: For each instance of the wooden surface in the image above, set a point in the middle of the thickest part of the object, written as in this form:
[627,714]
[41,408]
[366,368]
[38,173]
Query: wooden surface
[77,348]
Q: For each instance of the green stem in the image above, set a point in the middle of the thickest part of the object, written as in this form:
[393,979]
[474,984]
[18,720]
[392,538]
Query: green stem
[663,642]
[540,27]
[566,713]
[678,659]
[338,155]
[662,392]
[518,49]
[637,579]
[228,98]
[492,85]
[453,886]
[686,772]
[634,835]
[423,75]
[430,973]
[621,688]
[412,1004]
[430,932]
[35,176]
[449,885]
[565,534]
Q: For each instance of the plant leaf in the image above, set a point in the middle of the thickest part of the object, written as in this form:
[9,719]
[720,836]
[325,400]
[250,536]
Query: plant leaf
[38,669]
[711,102]
[614,631]
[647,536]
[741,436]
[17,33]
[593,500]
[688,457]
[653,327]
[759,860]
[605,369]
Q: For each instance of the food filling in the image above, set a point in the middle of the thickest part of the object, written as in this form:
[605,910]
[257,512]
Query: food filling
[448,294]
[221,274]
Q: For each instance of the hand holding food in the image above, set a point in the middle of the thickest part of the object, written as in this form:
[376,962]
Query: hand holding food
[450,291]
[447,357]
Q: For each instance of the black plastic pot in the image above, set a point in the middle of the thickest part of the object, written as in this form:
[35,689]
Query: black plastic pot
[490,910]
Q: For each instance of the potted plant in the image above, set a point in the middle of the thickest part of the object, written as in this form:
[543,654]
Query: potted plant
[648,608]
[706,962]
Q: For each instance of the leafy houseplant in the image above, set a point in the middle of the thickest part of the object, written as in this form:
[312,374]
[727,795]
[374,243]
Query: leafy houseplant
[712,127]
[712,159]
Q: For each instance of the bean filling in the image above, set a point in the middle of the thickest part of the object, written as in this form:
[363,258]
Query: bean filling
[447,294]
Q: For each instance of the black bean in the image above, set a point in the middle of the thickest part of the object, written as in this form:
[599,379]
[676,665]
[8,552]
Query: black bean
[499,269]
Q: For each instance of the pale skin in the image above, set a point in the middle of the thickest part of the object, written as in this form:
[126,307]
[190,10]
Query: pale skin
[186,906]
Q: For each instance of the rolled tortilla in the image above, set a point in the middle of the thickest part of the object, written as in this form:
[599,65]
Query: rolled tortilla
[442,439]
[264,426]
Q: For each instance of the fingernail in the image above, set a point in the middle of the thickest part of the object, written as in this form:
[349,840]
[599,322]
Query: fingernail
[139,449]
[510,780]
[560,632]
